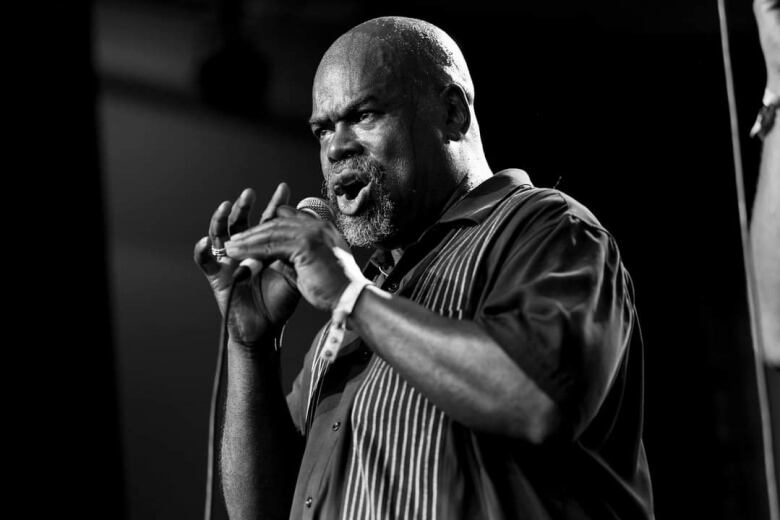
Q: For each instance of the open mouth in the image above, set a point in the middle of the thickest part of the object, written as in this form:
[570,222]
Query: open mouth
[352,193]
[349,189]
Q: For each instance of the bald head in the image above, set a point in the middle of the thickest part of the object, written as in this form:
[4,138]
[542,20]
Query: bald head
[413,51]
[392,109]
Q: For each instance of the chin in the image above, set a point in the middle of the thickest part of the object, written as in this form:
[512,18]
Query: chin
[367,230]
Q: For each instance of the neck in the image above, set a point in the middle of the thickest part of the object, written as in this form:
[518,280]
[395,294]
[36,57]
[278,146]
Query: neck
[468,182]
[472,163]
[467,167]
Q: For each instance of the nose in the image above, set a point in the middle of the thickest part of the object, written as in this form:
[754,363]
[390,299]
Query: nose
[343,144]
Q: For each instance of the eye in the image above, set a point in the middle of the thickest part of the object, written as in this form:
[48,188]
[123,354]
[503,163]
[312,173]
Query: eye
[320,133]
[366,116]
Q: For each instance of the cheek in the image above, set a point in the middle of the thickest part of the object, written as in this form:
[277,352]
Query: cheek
[325,164]
[397,154]
[399,173]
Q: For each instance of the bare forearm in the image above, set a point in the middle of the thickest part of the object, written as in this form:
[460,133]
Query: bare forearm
[456,365]
[261,449]
[765,238]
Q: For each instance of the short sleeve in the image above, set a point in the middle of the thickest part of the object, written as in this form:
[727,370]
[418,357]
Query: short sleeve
[558,303]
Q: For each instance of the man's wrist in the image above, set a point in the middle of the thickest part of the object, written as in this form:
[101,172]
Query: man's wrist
[268,343]
[349,296]
[341,312]
[355,283]
[765,121]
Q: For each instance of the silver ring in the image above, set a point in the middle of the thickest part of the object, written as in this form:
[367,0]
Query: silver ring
[218,253]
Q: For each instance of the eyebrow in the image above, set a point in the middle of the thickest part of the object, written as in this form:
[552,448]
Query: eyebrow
[353,106]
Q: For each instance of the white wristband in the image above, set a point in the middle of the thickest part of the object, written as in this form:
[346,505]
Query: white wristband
[343,308]
[349,297]
[338,322]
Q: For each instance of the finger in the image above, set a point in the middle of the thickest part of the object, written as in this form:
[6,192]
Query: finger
[203,257]
[290,212]
[281,196]
[238,220]
[266,252]
[274,240]
[293,227]
[218,228]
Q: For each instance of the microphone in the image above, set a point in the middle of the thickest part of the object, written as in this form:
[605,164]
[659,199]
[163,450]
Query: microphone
[314,206]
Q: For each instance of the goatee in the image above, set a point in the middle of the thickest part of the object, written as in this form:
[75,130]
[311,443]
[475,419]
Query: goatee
[375,224]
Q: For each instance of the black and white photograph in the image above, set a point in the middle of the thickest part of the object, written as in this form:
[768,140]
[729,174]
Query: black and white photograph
[432,260]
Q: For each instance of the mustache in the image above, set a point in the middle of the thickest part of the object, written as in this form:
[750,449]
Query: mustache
[368,170]
[367,167]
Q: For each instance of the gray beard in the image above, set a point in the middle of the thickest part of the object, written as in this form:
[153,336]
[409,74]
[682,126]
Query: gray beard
[375,224]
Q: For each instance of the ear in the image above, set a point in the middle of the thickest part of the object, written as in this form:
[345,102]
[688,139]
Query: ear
[457,113]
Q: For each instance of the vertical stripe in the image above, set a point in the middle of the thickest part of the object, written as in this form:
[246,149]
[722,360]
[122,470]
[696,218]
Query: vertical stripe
[394,486]
[412,452]
[349,503]
[365,450]
[419,485]
[315,380]
[426,468]
[381,476]
[436,452]
[377,464]
[398,435]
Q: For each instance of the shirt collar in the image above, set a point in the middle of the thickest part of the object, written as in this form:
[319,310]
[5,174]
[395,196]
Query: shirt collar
[472,205]
[478,203]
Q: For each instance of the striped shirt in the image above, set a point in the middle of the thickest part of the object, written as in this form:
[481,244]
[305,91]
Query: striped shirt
[539,274]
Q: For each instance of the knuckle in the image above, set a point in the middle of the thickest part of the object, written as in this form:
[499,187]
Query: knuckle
[308,235]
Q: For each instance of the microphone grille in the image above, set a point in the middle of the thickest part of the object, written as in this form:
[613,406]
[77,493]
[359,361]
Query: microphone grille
[317,208]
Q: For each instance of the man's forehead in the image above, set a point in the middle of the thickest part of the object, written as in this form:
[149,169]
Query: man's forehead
[357,65]
[361,49]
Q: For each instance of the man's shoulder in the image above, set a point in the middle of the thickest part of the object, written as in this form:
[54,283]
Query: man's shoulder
[547,206]
[568,205]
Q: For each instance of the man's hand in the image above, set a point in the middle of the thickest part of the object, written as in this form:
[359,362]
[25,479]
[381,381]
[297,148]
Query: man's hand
[262,304]
[307,244]
[768,20]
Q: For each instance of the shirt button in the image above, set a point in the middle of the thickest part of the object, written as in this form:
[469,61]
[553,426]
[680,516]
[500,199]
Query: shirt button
[365,355]
[336,425]
[308,501]
[392,287]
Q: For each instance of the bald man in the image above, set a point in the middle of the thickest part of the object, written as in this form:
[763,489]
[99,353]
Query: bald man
[489,367]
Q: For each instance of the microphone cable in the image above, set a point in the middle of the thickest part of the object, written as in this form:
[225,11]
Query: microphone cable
[316,208]
[215,395]
[750,278]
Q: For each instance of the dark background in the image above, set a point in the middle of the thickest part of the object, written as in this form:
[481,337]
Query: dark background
[140,117]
